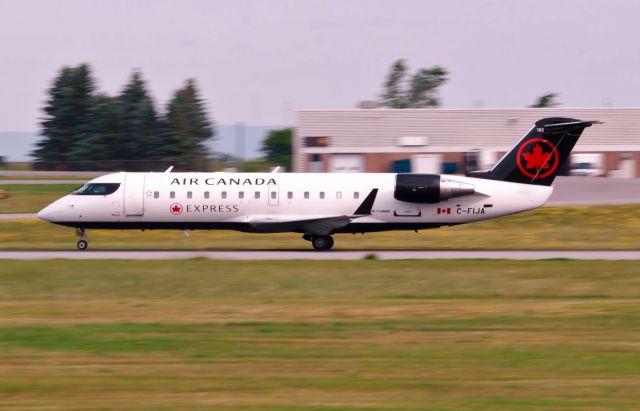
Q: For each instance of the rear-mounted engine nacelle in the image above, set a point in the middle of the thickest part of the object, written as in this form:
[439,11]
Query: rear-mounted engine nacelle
[428,188]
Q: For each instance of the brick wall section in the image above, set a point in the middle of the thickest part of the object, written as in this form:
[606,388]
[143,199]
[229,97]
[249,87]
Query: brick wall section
[381,162]
[611,162]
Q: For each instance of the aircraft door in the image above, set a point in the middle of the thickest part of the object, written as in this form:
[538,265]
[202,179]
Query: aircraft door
[134,194]
[273,194]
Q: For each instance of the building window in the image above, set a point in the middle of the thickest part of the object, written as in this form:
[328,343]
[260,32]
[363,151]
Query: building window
[290,195]
[241,194]
[356,195]
[321,195]
[472,161]
[223,194]
[206,194]
[189,194]
[172,194]
[339,195]
[257,194]
[156,194]
[306,195]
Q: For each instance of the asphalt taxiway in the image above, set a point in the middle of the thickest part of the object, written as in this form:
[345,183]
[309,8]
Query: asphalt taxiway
[323,255]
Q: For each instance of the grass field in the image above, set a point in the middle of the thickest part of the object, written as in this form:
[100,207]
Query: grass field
[616,227]
[81,179]
[366,335]
[15,166]
[31,198]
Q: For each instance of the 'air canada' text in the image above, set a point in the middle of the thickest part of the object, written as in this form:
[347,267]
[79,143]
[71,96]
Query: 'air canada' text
[214,181]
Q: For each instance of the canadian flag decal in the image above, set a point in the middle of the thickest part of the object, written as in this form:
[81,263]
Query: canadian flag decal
[444,210]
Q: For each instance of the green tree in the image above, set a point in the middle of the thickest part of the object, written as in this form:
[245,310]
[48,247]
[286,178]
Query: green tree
[140,135]
[67,120]
[103,145]
[424,87]
[393,95]
[277,147]
[85,130]
[421,91]
[546,100]
[187,128]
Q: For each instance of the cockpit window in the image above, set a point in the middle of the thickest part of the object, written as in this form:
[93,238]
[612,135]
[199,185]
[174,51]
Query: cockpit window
[96,189]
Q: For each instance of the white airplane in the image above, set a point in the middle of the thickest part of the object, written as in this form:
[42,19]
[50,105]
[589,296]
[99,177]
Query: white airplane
[319,205]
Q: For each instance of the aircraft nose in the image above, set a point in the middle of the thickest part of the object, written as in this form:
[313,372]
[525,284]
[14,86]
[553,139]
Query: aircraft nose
[45,213]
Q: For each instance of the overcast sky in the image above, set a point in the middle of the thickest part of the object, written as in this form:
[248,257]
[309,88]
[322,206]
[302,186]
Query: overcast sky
[256,61]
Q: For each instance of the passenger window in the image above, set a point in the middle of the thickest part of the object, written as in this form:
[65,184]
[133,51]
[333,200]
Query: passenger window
[339,195]
[306,195]
[241,194]
[321,195]
[356,195]
[223,194]
[257,194]
[206,194]
[172,194]
[273,195]
[156,194]
[290,195]
[189,194]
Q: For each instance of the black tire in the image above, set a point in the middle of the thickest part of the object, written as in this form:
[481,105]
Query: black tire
[330,245]
[82,245]
[322,242]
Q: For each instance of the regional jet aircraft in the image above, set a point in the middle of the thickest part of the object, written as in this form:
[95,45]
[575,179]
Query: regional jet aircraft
[321,205]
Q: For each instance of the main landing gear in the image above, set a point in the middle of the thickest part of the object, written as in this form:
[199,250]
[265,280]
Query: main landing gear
[82,243]
[320,242]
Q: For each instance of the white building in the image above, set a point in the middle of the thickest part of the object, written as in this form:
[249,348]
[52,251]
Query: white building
[446,140]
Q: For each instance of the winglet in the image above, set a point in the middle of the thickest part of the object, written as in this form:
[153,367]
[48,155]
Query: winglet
[367,204]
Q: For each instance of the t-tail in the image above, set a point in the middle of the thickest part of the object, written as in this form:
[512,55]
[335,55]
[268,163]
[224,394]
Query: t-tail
[540,155]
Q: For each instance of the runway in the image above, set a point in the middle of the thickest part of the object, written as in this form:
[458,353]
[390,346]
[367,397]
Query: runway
[323,255]
[9,217]
[41,182]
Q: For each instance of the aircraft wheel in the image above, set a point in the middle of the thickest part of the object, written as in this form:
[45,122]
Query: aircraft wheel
[82,245]
[330,245]
[322,242]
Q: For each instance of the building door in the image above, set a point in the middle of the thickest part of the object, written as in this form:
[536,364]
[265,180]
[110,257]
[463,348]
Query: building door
[347,163]
[426,163]
[134,194]
[273,194]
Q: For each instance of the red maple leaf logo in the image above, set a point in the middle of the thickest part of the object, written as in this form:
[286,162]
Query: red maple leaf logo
[541,162]
[175,208]
[537,158]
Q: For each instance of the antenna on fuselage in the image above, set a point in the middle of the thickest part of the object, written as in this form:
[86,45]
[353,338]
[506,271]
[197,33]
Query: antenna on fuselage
[169,169]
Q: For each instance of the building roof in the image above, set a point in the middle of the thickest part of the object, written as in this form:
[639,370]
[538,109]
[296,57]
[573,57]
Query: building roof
[480,128]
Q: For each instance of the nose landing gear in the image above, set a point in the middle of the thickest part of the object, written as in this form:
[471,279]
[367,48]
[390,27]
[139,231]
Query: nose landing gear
[82,244]
[320,242]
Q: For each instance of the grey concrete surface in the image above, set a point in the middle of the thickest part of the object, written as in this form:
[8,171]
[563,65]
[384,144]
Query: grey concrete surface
[595,191]
[326,255]
[51,173]
[7,217]
[30,182]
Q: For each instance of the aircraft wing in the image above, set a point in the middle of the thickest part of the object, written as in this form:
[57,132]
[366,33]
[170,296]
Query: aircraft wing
[317,225]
